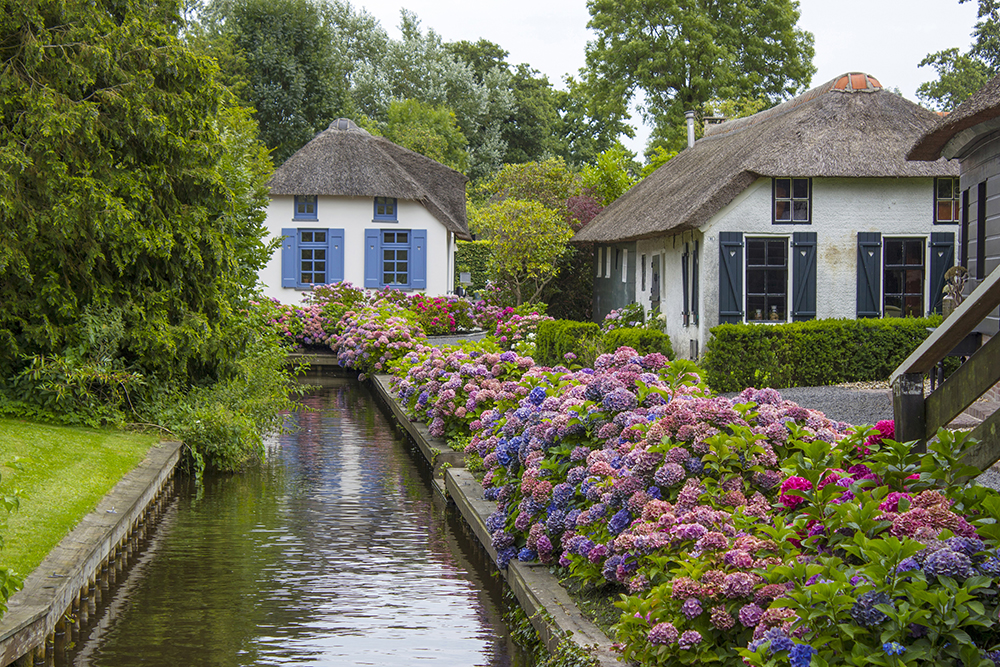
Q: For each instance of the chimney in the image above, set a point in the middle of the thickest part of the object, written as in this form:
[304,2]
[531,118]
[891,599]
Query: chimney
[689,116]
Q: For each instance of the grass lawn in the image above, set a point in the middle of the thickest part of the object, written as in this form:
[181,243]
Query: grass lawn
[63,473]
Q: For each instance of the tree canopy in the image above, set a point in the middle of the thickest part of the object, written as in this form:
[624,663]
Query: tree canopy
[430,131]
[681,54]
[961,74]
[131,189]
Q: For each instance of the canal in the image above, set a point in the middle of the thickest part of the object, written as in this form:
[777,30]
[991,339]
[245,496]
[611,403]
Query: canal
[334,551]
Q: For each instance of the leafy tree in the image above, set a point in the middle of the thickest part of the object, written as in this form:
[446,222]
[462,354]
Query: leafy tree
[962,74]
[430,131]
[959,76]
[587,125]
[422,67]
[659,156]
[549,182]
[681,55]
[295,80]
[132,198]
[527,238]
[611,176]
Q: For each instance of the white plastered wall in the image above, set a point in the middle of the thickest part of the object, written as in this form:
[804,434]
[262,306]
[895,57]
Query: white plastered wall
[841,207]
[354,216]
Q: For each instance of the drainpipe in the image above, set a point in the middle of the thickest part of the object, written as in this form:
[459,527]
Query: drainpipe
[689,116]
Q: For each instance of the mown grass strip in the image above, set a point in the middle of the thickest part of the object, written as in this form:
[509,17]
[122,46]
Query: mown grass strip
[63,473]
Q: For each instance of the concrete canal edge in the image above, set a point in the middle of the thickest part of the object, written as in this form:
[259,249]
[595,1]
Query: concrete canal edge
[548,605]
[61,592]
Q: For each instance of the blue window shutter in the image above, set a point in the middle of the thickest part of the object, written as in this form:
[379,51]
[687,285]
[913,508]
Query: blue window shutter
[803,276]
[335,256]
[869,302]
[418,259]
[289,258]
[942,259]
[730,277]
[373,257]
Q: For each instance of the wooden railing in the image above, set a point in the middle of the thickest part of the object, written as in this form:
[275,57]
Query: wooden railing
[919,418]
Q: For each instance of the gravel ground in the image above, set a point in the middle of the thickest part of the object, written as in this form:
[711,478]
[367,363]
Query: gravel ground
[855,404]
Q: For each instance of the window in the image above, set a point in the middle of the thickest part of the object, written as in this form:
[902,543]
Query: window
[767,280]
[305,207]
[396,258]
[947,200]
[642,263]
[624,266]
[780,285]
[792,200]
[385,208]
[311,257]
[903,277]
[689,283]
[600,260]
[607,262]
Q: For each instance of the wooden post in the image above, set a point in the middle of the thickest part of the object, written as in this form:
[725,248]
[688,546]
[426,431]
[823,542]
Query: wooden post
[59,645]
[908,408]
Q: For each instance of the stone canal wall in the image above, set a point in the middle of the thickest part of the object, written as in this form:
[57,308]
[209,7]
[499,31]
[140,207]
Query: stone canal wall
[65,589]
[552,611]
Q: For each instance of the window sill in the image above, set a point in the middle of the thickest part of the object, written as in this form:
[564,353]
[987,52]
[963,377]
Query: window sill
[394,221]
[305,219]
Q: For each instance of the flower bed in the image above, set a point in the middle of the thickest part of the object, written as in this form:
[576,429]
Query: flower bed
[736,530]
[744,531]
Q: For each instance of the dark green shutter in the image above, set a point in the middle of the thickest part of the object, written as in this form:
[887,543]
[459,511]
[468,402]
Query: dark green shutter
[684,284]
[803,276]
[942,259]
[694,285]
[730,277]
[869,302]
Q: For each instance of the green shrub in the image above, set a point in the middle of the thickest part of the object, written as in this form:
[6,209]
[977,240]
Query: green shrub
[473,257]
[808,354]
[557,338]
[643,341]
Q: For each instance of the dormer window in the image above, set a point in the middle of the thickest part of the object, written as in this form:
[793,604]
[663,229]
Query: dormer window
[305,207]
[385,208]
[792,200]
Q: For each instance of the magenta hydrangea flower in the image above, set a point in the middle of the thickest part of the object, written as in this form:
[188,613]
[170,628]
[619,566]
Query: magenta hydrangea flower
[793,483]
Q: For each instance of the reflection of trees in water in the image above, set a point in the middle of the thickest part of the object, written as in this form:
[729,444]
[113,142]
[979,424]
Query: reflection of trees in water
[334,539]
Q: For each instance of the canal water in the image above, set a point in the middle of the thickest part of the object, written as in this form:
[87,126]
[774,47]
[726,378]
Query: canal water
[332,552]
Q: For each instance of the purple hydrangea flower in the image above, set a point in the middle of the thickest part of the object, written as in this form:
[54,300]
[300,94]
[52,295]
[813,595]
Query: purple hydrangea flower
[662,634]
[864,612]
[691,608]
[689,640]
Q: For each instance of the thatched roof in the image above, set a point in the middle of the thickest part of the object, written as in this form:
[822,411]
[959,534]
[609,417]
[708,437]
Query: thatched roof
[345,160]
[983,106]
[848,127]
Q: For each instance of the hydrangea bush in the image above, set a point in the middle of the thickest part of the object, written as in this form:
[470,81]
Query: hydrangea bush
[742,531]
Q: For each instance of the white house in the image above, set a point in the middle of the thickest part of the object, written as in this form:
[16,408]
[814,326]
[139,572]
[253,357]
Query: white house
[807,210]
[358,208]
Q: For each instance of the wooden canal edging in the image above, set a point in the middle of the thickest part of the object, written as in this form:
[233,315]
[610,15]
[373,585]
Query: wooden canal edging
[551,610]
[62,592]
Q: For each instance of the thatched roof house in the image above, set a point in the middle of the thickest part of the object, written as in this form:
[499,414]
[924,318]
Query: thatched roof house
[807,210]
[848,127]
[347,161]
[354,207]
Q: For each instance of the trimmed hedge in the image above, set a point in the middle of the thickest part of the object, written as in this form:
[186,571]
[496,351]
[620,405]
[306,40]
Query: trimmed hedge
[473,257]
[643,341]
[810,354]
[556,338]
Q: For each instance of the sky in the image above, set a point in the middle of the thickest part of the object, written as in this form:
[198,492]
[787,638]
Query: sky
[884,38]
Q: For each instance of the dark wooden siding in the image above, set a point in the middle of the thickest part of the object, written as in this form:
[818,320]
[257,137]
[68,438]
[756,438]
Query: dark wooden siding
[980,243]
[609,291]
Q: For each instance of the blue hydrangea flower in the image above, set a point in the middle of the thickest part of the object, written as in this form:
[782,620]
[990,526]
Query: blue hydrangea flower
[893,648]
[619,521]
[537,396]
[801,655]
[505,556]
[945,563]
[527,555]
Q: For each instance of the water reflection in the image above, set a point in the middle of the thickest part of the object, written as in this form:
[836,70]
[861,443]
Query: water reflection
[331,553]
